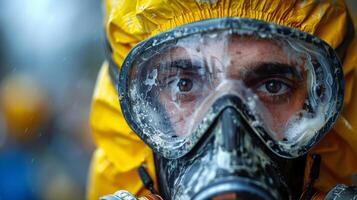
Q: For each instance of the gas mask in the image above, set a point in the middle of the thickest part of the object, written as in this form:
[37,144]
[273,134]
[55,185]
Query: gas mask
[230,106]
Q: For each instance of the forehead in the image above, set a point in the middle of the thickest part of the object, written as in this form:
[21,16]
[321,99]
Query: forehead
[230,49]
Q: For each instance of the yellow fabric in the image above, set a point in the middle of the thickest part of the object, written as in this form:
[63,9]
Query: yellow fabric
[128,22]
[120,151]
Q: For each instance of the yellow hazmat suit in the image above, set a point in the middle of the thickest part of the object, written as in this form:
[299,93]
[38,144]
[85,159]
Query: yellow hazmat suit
[120,152]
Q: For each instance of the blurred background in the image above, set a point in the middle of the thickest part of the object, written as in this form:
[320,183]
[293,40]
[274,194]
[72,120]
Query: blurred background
[50,54]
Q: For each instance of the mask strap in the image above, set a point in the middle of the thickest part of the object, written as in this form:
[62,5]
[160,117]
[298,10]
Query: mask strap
[314,175]
[146,179]
[113,69]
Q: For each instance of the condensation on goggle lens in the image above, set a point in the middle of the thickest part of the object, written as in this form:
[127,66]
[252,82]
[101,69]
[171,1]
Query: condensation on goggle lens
[173,86]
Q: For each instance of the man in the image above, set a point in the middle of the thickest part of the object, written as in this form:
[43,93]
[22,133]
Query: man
[231,97]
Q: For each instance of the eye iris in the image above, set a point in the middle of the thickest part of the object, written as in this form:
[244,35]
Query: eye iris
[273,86]
[185,85]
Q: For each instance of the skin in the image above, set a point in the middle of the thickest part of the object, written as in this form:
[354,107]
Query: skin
[192,74]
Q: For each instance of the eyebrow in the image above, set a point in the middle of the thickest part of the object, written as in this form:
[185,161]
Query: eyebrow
[266,69]
[182,64]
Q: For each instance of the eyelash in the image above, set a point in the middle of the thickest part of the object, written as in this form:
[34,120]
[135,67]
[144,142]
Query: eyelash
[277,98]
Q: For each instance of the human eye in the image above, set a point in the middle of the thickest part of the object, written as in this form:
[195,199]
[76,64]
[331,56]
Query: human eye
[183,88]
[275,83]
[182,82]
[183,85]
[275,89]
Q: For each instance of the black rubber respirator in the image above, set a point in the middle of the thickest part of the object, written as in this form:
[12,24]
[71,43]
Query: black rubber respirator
[230,106]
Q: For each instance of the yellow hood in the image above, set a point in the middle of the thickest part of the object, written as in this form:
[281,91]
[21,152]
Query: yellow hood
[127,22]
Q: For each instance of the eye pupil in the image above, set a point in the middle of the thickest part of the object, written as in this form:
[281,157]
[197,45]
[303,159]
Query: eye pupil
[185,85]
[273,86]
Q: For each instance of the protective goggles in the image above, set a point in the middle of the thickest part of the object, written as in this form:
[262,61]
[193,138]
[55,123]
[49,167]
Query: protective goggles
[286,84]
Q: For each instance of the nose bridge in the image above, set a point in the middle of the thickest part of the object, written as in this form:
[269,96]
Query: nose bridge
[231,127]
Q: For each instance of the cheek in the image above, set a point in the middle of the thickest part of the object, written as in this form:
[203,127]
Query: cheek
[283,112]
[179,115]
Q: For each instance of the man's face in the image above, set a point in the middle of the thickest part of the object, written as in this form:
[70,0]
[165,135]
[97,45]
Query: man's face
[192,74]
